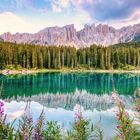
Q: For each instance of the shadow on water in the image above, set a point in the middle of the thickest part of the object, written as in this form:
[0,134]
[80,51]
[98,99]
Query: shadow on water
[62,83]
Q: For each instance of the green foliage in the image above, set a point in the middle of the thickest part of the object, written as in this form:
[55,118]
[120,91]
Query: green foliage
[120,56]
[81,130]
[38,128]
[127,67]
[85,130]
[52,131]
[10,67]
[26,127]
[13,67]
[127,128]
[7,131]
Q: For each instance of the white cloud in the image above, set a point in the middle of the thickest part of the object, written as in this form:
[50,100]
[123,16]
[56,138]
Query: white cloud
[134,18]
[9,22]
[56,8]
[80,19]
[58,5]
[72,11]
[12,23]
[64,3]
[67,4]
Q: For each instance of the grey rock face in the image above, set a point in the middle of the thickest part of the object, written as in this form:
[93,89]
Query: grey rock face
[1,39]
[101,35]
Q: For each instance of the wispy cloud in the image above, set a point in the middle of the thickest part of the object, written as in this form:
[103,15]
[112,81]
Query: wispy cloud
[22,6]
[59,5]
[134,18]
[104,10]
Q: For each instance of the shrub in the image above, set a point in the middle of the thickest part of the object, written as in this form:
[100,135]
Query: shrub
[10,67]
[83,129]
[126,129]
[52,131]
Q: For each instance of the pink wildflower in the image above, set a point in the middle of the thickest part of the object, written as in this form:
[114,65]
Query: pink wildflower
[78,112]
[117,114]
[115,96]
[118,118]
[126,114]
[120,102]
[1,104]
[35,134]
[117,99]
[138,108]
[121,136]
[1,109]
[26,136]
[119,126]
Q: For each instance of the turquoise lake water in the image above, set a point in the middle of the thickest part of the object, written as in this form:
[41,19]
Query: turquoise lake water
[62,83]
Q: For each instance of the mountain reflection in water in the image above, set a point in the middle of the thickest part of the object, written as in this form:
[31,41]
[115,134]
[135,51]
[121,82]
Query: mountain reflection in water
[68,101]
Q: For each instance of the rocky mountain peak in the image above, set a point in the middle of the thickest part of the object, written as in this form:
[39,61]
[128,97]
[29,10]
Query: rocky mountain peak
[101,34]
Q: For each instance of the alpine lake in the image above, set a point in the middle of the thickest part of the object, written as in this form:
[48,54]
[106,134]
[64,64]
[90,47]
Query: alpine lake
[60,93]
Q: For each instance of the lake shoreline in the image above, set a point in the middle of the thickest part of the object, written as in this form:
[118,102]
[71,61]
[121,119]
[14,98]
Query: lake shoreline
[32,71]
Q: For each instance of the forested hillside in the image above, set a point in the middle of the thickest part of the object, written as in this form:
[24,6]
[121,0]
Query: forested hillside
[120,56]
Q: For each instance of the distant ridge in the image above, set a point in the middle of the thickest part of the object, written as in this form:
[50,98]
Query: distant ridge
[67,35]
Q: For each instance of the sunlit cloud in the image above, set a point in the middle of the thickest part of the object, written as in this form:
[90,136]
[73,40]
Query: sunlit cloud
[13,23]
[134,18]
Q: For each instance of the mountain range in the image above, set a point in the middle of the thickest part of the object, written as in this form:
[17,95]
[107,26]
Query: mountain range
[104,35]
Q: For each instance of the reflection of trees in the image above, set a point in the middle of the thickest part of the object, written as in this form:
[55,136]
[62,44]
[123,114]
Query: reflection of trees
[93,83]
[68,101]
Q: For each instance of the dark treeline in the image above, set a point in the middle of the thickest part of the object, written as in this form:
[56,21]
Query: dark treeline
[121,56]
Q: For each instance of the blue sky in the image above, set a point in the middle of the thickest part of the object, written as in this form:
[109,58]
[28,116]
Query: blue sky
[34,15]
